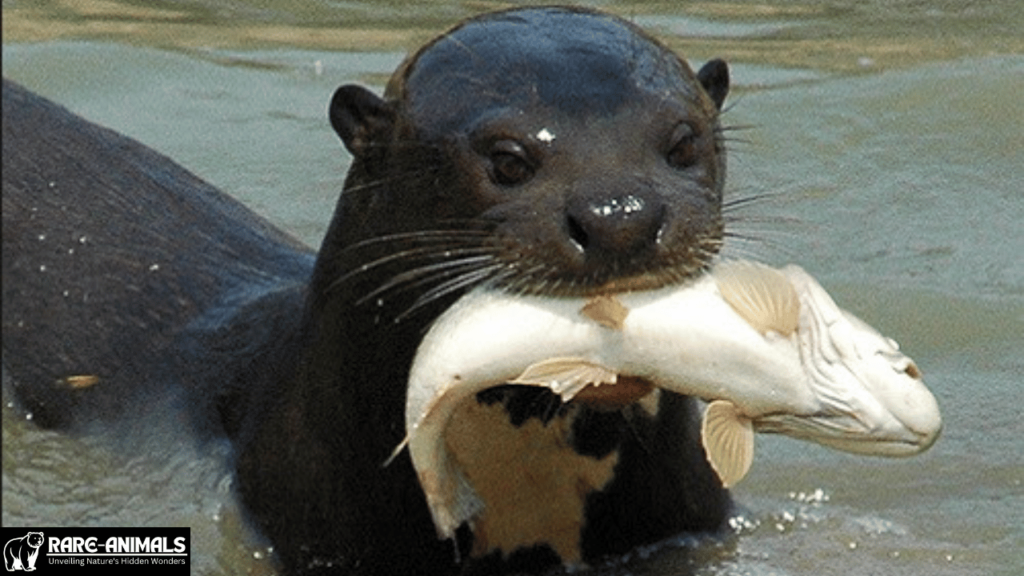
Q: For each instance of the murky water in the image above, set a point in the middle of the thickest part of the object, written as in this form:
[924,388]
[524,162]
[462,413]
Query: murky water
[886,137]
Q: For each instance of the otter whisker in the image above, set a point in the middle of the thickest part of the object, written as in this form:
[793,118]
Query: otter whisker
[735,127]
[455,227]
[734,252]
[748,228]
[411,278]
[467,280]
[743,237]
[722,136]
[531,280]
[379,183]
[745,201]
[422,236]
[425,252]
[747,239]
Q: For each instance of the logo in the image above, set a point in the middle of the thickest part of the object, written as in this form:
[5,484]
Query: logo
[22,553]
[58,550]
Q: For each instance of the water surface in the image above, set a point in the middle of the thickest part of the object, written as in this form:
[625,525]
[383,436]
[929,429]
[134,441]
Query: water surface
[884,139]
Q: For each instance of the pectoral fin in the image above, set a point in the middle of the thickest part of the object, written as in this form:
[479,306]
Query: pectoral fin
[565,376]
[763,296]
[728,438]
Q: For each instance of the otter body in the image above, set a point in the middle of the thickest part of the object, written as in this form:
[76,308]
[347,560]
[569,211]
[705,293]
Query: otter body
[553,152]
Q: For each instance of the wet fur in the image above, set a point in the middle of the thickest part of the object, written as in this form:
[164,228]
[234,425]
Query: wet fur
[112,256]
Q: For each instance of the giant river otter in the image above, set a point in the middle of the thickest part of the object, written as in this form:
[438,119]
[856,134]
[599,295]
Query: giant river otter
[548,152]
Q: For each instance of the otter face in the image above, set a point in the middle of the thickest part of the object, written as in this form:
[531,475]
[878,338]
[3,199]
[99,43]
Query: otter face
[602,204]
[590,154]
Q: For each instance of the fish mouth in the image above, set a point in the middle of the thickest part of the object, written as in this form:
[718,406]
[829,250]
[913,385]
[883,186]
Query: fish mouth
[872,397]
[849,432]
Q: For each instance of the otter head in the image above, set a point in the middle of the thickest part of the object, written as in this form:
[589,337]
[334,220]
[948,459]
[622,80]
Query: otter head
[588,153]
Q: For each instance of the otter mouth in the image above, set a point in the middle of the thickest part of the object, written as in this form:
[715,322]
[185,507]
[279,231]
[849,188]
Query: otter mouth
[611,275]
[515,403]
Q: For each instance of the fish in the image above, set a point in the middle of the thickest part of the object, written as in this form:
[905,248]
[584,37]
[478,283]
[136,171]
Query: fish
[767,348]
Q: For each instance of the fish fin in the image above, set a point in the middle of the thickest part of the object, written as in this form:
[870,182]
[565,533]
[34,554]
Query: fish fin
[761,295]
[606,311]
[728,439]
[565,376]
[398,450]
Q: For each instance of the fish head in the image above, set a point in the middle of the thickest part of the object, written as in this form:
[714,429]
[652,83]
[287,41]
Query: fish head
[871,397]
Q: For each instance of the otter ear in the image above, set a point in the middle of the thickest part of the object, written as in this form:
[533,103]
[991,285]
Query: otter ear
[359,117]
[714,77]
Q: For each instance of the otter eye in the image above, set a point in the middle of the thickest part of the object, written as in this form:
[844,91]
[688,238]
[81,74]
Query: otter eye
[509,163]
[684,152]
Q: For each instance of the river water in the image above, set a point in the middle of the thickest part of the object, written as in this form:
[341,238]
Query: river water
[885,140]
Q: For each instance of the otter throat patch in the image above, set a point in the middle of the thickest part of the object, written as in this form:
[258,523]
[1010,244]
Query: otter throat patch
[532,482]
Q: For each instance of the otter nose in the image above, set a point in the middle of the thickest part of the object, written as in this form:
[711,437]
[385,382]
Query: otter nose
[618,227]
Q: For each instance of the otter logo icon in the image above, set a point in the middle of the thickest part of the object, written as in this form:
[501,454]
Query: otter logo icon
[21,553]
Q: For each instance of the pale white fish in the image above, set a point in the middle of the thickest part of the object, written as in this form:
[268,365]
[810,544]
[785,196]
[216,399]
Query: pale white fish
[770,346]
